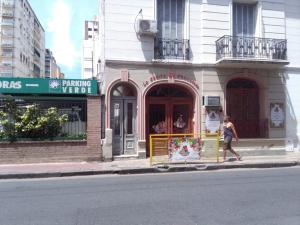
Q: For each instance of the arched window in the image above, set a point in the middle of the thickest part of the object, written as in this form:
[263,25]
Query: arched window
[242,83]
[123,90]
[169,91]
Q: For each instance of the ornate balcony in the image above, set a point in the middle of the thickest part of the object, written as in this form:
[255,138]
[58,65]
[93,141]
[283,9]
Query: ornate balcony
[251,49]
[171,49]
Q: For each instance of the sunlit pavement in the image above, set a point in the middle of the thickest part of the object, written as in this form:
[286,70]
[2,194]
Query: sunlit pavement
[141,166]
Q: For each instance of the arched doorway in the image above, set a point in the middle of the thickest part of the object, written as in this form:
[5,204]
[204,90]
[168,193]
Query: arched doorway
[169,110]
[123,119]
[242,105]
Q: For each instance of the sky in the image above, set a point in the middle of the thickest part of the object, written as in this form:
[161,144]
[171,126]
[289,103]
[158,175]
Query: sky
[63,22]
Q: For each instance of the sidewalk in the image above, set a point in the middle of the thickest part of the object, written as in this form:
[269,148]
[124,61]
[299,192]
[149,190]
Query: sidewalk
[135,166]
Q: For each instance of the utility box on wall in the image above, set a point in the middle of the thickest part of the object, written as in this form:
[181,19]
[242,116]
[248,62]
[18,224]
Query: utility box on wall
[147,27]
[211,101]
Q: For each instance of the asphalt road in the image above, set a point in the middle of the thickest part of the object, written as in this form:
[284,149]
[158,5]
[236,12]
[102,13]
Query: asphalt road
[233,197]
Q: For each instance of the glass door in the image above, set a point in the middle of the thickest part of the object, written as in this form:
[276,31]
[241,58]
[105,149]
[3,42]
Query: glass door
[181,118]
[169,118]
[117,126]
[129,135]
[123,120]
[157,119]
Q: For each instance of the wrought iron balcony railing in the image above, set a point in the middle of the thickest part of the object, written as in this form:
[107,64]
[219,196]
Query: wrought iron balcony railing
[171,49]
[235,47]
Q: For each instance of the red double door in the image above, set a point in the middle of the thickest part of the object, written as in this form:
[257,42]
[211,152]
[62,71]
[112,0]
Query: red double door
[242,105]
[169,115]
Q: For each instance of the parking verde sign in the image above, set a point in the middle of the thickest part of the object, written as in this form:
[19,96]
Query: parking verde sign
[47,86]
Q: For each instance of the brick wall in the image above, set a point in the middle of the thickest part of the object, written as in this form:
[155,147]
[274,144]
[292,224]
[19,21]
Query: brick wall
[94,126]
[59,151]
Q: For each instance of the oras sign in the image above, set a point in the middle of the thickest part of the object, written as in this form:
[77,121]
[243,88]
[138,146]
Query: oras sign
[4,84]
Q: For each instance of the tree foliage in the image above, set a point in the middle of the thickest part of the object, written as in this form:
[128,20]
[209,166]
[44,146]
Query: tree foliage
[30,122]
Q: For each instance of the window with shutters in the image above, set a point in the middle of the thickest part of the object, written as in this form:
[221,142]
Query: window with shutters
[169,41]
[246,41]
[244,19]
[170,18]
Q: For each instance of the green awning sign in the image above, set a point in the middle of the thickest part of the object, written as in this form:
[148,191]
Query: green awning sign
[47,86]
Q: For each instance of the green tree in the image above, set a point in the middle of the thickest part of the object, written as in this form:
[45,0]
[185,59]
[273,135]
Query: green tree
[29,122]
[36,123]
[8,116]
[52,122]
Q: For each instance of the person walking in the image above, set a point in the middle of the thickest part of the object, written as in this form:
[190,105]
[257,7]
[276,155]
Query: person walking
[229,132]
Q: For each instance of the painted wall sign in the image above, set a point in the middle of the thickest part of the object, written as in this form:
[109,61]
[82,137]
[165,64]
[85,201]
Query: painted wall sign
[170,77]
[212,121]
[47,86]
[277,117]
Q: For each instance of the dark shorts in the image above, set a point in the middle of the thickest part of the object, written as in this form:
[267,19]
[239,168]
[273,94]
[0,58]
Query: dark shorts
[227,143]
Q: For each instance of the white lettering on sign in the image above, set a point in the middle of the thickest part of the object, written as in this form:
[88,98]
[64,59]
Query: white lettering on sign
[77,86]
[11,84]
[76,83]
[77,90]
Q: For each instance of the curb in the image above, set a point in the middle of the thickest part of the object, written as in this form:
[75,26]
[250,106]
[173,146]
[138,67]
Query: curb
[165,169]
[253,165]
[54,174]
[78,173]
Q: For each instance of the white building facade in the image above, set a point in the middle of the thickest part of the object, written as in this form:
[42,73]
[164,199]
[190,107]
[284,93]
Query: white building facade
[90,50]
[162,60]
[22,37]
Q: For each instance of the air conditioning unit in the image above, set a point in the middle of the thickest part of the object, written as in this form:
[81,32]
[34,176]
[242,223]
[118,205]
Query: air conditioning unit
[147,27]
[211,101]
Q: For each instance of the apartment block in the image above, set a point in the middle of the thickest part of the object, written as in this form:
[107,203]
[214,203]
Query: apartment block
[90,49]
[52,70]
[22,38]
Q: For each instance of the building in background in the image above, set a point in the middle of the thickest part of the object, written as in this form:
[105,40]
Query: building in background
[162,60]
[52,70]
[22,39]
[90,49]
